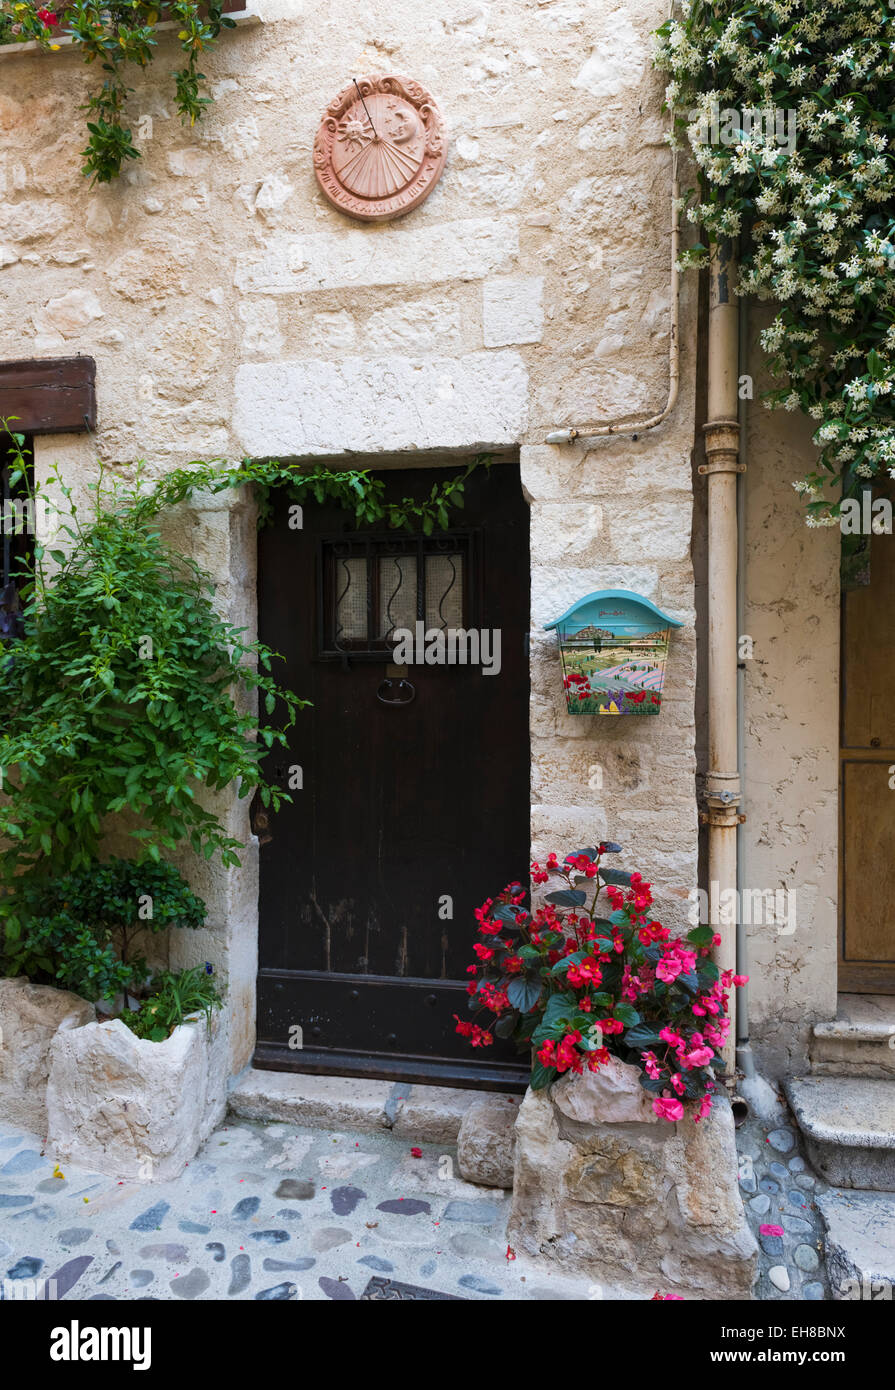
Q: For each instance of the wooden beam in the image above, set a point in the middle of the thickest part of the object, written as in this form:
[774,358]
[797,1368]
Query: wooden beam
[50,395]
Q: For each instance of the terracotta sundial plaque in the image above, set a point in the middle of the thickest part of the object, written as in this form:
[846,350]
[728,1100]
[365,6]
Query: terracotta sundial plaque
[380,148]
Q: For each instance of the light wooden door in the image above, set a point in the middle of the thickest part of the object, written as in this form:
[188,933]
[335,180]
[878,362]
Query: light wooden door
[867,780]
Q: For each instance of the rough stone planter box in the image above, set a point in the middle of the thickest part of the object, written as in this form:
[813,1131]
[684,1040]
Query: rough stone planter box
[604,1188]
[30,1018]
[130,1108]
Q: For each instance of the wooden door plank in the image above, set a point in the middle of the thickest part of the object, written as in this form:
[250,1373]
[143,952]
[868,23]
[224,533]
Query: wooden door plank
[867,802]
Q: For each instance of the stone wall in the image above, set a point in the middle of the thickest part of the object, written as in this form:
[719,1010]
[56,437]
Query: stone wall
[231,310]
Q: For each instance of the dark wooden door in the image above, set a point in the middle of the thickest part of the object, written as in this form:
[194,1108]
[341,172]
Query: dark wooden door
[867,779]
[414,803]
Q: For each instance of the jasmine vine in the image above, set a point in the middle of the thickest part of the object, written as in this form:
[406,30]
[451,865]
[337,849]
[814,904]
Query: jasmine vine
[788,108]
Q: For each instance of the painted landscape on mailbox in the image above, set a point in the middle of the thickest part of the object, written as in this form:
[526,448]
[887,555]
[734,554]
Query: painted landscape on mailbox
[605,673]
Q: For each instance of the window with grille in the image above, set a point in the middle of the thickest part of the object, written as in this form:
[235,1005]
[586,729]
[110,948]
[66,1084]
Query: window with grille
[16,542]
[373,586]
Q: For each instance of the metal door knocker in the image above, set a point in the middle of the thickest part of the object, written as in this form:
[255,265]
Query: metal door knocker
[396,689]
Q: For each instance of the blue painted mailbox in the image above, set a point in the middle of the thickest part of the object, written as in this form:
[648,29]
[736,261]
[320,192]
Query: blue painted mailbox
[613,645]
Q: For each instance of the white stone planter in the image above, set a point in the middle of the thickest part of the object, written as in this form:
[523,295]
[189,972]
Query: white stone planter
[604,1188]
[131,1108]
[30,1018]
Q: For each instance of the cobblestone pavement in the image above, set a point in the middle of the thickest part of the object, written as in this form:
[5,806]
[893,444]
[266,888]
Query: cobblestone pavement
[265,1211]
[276,1211]
[779,1189]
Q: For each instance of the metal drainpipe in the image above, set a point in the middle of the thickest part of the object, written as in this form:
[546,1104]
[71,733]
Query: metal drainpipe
[722,468]
[744,1057]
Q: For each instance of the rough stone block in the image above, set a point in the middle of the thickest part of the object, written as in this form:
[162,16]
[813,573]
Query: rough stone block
[860,1243]
[486,1143]
[466,250]
[30,1018]
[612,1095]
[849,1128]
[651,1205]
[432,1114]
[340,1102]
[366,404]
[512,310]
[124,1106]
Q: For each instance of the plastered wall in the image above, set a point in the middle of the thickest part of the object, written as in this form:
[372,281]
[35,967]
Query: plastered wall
[791,735]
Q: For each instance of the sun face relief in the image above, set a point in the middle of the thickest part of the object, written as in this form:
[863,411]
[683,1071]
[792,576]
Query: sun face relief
[380,148]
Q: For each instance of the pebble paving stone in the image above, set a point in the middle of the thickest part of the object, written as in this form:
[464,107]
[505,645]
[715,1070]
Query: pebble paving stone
[344,1199]
[268,1212]
[791,1266]
[240,1276]
[377,1263]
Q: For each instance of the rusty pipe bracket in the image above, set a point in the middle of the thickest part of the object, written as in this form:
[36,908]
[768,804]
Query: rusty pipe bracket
[722,444]
[721,467]
[726,819]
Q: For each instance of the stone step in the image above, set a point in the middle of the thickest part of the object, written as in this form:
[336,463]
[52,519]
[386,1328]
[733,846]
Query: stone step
[860,1243]
[849,1128]
[429,1114]
[859,1041]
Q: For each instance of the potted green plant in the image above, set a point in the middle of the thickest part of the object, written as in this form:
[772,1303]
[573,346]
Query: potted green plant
[73,943]
[136,1095]
[579,988]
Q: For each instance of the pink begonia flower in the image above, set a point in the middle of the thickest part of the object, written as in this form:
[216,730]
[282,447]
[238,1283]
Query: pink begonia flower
[699,1057]
[673,1039]
[669,969]
[770,1230]
[652,1066]
[705,1106]
[670,1109]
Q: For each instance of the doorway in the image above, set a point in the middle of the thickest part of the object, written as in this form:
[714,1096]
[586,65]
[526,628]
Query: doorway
[867,779]
[413,804]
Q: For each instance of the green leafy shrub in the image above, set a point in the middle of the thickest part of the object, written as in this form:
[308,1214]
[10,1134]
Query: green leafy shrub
[175,995]
[127,693]
[73,930]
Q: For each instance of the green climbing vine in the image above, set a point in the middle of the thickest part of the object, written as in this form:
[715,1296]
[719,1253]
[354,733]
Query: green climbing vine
[354,489]
[113,34]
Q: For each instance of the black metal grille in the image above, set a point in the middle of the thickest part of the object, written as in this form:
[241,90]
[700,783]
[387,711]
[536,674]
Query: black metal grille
[16,545]
[369,587]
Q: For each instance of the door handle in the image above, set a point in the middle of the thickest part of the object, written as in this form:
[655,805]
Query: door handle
[396,691]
